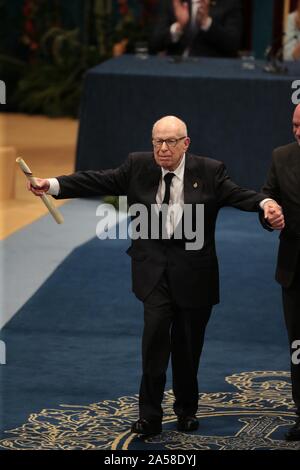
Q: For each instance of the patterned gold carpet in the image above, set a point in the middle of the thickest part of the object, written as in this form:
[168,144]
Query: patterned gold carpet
[251,417]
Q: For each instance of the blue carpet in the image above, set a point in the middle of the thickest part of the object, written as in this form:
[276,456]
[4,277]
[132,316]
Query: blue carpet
[77,340]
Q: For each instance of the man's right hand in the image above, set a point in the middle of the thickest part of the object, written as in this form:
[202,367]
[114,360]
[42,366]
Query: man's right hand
[181,12]
[41,187]
[273,214]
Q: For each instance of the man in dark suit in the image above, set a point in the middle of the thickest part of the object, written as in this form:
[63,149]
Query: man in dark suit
[177,286]
[283,183]
[211,28]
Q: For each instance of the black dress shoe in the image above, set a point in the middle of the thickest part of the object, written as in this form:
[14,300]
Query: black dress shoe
[143,426]
[293,433]
[187,423]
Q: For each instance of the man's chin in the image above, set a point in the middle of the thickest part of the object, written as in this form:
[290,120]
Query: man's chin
[165,162]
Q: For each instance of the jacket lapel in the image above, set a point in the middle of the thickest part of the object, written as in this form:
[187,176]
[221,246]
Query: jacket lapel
[151,181]
[193,185]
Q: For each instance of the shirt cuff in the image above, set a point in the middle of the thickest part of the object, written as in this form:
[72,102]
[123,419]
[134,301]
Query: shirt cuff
[176,32]
[207,24]
[262,203]
[54,187]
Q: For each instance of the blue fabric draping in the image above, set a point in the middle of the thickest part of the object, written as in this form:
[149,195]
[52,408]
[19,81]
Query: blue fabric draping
[234,115]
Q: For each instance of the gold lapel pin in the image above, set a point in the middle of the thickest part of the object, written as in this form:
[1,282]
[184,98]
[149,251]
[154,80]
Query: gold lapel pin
[195,185]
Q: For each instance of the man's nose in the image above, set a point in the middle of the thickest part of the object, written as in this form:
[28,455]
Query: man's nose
[164,147]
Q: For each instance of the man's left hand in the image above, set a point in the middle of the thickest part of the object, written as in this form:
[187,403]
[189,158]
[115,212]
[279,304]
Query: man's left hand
[203,17]
[273,214]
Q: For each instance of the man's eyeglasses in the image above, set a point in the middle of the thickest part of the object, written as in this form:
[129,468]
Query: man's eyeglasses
[169,142]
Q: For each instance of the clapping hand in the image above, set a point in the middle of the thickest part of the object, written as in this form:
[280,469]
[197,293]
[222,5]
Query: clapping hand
[181,12]
[203,12]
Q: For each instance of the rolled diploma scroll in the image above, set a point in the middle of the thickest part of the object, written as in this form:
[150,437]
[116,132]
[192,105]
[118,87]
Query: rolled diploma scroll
[46,200]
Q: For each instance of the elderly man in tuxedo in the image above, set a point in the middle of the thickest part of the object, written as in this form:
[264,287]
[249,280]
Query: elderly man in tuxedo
[177,286]
[211,28]
[283,183]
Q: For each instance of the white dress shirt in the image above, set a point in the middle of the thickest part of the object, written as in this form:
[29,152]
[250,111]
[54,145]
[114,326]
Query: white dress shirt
[54,187]
[176,204]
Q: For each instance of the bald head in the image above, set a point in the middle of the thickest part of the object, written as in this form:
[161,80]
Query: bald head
[170,142]
[170,124]
[296,123]
[297,111]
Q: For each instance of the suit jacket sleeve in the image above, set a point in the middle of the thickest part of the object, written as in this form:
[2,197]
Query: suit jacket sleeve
[96,183]
[226,35]
[230,194]
[271,189]
[271,186]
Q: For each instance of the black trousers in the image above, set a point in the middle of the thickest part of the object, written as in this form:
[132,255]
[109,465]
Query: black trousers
[291,306]
[179,332]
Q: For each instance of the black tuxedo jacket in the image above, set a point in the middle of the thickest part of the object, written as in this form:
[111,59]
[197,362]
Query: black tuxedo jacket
[193,275]
[221,40]
[283,184]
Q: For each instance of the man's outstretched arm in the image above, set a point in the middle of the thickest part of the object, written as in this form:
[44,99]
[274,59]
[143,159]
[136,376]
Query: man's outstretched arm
[86,183]
[230,194]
